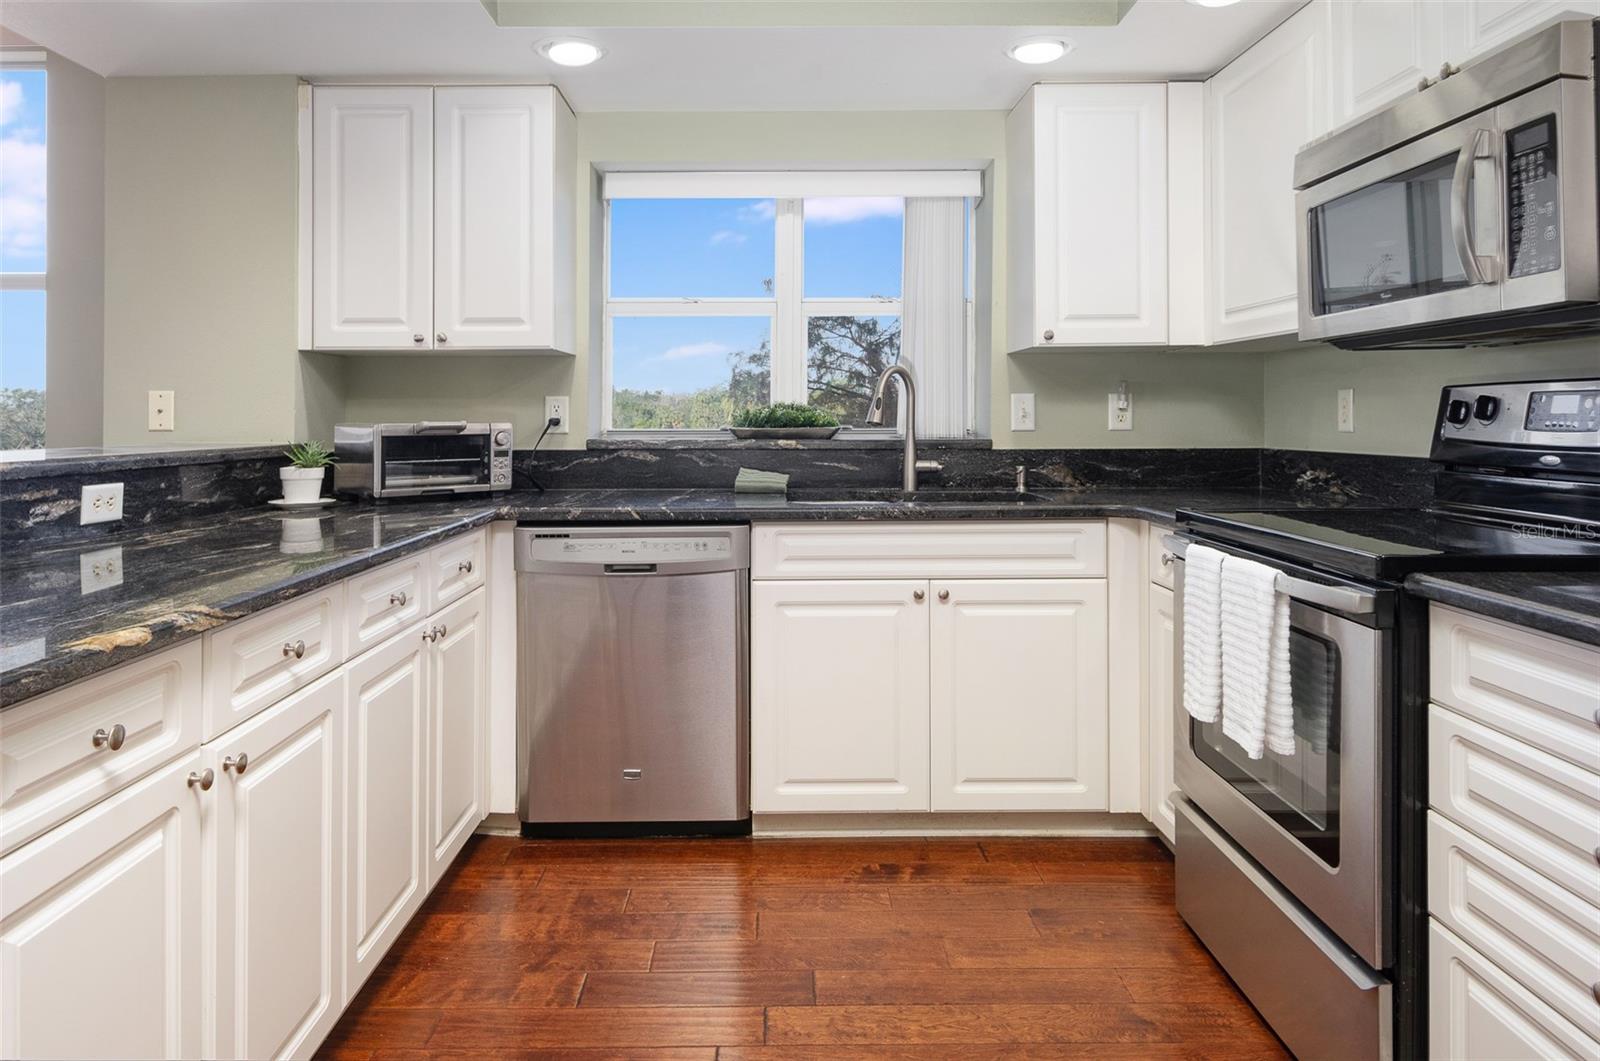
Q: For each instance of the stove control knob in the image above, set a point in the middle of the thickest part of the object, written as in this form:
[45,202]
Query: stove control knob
[1458,411]
[1486,408]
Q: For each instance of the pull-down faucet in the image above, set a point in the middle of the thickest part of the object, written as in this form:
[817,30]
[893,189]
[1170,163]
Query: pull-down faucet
[908,392]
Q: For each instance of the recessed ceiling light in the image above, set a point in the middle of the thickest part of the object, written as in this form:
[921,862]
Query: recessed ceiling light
[1213,3]
[1037,51]
[570,52]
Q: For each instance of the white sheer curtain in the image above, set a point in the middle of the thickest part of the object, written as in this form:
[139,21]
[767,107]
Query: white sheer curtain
[933,328]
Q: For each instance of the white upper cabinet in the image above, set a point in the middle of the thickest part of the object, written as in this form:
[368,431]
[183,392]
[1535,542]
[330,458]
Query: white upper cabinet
[1381,50]
[442,219]
[372,210]
[1263,107]
[1476,26]
[1087,195]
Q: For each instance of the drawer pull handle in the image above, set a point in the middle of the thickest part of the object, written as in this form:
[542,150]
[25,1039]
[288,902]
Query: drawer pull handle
[1596,990]
[112,738]
[918,596]
[237,763]
[431,635]
[203,779]
[297,649]
[398,599]
[944,595]
[439,631]
[465,567]
[1166,559]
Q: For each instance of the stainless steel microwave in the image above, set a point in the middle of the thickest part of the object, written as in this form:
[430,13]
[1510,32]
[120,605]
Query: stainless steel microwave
[427,457]
[1464,214]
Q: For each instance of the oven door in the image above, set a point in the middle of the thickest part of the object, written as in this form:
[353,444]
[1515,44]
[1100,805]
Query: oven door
[1317,820]
[434,457]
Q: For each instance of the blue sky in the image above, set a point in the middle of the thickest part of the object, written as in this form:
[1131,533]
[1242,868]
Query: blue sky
[22,224]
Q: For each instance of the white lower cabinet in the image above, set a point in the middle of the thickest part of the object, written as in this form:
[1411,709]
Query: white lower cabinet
[1018,694]
[458,714]
[839,696]
[100,925]
[1160,650]
[275,846]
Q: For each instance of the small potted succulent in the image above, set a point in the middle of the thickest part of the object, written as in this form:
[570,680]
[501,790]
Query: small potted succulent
[302,477]
[784,420]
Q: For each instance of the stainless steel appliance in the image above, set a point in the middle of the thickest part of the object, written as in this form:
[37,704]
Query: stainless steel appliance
[426,457]
[1304,873]
[1464,214]
[632,679]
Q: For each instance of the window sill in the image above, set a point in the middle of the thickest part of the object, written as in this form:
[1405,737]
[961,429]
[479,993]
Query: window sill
[718,440]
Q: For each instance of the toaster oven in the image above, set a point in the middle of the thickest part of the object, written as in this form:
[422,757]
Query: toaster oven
[427,457]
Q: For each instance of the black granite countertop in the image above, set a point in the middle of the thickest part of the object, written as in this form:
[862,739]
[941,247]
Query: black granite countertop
[184,577]
[1565,603]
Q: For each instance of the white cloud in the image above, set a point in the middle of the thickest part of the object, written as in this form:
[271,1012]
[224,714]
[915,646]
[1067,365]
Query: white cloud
[760,210]
[22,196]
[726,235]
[10,101]
[693,350]
[844,209]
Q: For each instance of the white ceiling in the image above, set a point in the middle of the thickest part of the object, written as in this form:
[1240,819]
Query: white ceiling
[699,69]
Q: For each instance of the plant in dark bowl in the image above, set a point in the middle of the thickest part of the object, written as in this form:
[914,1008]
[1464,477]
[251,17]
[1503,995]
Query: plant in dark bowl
[784,420]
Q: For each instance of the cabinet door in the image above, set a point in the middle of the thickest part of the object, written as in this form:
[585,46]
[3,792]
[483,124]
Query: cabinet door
[372,218]
[839,696]
[1264,106]
[1100,214]
[1380,50]
[1160,644]
[1476,26]
[385,842]
[491,217]
[1018,695]
[276,841]
[458,709]
[100,928]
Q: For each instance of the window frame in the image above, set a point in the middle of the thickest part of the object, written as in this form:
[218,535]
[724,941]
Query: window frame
[25,58]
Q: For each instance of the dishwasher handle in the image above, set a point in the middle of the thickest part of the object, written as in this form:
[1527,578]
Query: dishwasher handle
[630,569]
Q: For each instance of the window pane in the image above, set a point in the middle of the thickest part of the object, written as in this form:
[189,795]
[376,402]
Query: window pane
[21,369]
[687,372]
[692,248]
[22,171]
[844,358]
[854,246]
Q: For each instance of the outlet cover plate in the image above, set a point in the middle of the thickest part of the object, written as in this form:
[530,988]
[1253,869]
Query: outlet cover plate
[1347,409]
[1118,419]
[1022,418]
[101,503]
[558,405]
[162,414]
[100,569]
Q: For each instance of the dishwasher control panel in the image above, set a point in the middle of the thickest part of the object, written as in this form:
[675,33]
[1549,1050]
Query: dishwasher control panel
[630,552]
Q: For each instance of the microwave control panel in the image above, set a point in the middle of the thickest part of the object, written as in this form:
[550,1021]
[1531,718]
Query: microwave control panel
[1533,200]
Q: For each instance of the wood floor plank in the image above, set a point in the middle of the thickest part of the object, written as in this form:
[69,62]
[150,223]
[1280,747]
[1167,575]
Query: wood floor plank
[1077,872]
[445,988]
[878,987]
[1068,954]
[579,928]
[477,895]
[805,924]
[522,1029]
[635,1053]
[1194,982]
[1099,925]
[692,956]
[700,900]
[945,873]
[757,851]
[1074,849]
[529,957]
[741,988]
[1007,1052]
[851,1026]
[1120,895]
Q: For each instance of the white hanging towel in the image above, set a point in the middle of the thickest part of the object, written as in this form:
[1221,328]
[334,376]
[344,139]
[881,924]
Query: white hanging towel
[1257,702]
[1202,633]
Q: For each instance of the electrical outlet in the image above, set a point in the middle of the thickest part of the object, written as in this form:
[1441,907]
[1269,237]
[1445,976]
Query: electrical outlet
[100,504]
[558,406]
[1347,409]
[1119,418]
[100,569]
[162,414]
[1022,413]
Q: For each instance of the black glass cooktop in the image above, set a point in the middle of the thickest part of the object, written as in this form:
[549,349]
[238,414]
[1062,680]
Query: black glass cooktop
[1385,544]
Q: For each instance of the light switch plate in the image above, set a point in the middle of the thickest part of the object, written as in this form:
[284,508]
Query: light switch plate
[1347,409]
[558,405]
[162,415]
[1119,419]
[1022,413]
[101,503]
[100,569]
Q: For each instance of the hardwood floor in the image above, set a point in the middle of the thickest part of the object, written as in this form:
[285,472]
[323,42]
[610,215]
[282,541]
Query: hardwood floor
[778,950]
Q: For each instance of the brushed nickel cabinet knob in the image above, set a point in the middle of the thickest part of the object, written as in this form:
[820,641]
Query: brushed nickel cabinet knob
[297,649]
[1049,335]
[442,337]
[918,595]
[465,567]
[440,631]
[398,599]
[419,338]
[112,738]
[237,763]
[203,779]
[944,595]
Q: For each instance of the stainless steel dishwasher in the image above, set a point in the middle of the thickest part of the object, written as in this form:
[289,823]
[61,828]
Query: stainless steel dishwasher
[633,698]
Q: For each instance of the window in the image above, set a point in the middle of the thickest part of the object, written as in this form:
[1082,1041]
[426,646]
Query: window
[719,302]
[22,250]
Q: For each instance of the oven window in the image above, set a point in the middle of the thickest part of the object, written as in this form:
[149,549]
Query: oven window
[1386,242]
[411,461]
[1301,791]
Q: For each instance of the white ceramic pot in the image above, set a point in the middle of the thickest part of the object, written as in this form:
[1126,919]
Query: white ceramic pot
[301,485]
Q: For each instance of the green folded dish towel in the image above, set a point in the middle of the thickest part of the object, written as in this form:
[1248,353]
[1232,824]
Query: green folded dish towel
[752,481]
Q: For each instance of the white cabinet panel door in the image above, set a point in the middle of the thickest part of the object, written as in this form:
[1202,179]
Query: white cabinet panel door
[1477,26]
[1381,49]
[372,228]
[1100,214]
[839,696]
[386,876]
[1018,695]
[1264,106]
[277,845]
[1160,645]
[458,707]
[492,285]
[100,928]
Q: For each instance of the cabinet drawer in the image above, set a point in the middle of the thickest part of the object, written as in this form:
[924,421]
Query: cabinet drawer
[1476,1012]
[257,661]
[1547,938]
[1543,811]
[1544,690]
[1026,549]
[456,568]
[386,600]
[50,766]
[1160,563]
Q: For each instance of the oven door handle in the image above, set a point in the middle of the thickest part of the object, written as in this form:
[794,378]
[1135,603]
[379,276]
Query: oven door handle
[1339,598]
[1479,270]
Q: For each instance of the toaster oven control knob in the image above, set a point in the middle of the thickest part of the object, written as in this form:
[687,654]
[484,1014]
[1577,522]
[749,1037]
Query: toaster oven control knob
[502,439]
[1458,411]
[1486,408]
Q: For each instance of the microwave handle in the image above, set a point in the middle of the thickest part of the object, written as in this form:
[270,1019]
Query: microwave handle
[1478,270]
[439,427]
